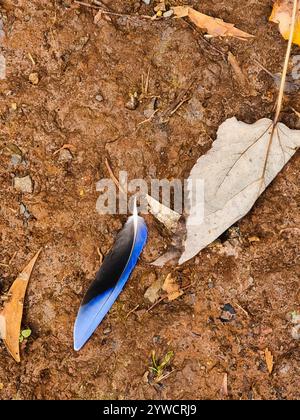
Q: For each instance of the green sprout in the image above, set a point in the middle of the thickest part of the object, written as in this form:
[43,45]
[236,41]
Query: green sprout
[25,334]
[158,367]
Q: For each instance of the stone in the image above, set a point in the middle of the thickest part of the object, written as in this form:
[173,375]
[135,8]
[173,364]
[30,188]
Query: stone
[24,184]
[33,78]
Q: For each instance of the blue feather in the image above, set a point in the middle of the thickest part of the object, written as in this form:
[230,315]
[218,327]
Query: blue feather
[110,279]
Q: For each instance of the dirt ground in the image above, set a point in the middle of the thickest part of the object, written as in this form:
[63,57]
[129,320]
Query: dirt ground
[77,60]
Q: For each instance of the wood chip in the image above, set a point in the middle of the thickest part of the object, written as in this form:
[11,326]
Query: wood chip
[11,315]
[171,288]
[269,360]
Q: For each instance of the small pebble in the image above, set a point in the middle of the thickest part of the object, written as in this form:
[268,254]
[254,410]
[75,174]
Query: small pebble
[24,211]
[99,97]
[15,160]
[168,13]
[296,332]
[228,313]
[34,78]
[65,155]
[107,330]
[24,184]
[133,102]
[295,317]
[147,2]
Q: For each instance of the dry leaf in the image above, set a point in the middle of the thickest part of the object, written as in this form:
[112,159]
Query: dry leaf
[269,360]
[98,17]
[239,74]
[243,161]
[171,255]
[213,26]
[282,14]
[171,288]
[253,239]
[163,213]
[153,292]
[11,315]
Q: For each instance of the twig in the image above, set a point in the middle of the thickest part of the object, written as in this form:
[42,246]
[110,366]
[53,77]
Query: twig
[65,146]
[31,58]
[160,378]
[147,81]
[243,310]
[12,258]
[195,29]
[264,68]
[179,105]
[113,177]
[106,12]
[148,119]
[156,303]
[132,310]
[99,3]
[286,63]
[281,93]
[296,112]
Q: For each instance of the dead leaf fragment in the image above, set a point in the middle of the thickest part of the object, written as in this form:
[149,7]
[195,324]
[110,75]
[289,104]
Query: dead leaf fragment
[282,14]
[253,239]
[163,213]
[11,315]
[98,17]
[239,74]
[213,26]
[171,288]
[269,360]
[244,160]
[153,292]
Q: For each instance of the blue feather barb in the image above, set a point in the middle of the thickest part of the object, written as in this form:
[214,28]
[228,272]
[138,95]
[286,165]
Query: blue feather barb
[111,278]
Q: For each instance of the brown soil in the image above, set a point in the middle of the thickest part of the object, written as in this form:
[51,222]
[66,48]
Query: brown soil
[76,60]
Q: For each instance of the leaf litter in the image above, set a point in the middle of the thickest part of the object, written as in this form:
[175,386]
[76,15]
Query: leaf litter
[269,360]
[244,160]
[213,26]
[11,315]
[282,14]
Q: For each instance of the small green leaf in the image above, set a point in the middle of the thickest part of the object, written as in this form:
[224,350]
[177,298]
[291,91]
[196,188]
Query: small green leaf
[26,333]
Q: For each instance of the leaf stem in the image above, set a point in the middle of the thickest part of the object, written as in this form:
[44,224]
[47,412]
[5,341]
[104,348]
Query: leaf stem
[286,63]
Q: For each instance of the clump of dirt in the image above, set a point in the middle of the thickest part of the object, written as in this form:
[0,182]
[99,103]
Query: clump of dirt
[84,75]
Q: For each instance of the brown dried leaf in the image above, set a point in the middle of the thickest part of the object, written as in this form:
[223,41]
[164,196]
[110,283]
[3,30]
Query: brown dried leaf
[282,14]
[11,315]
[171,288]
[269,360]
[239,74]
[98,17]
[213,26]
